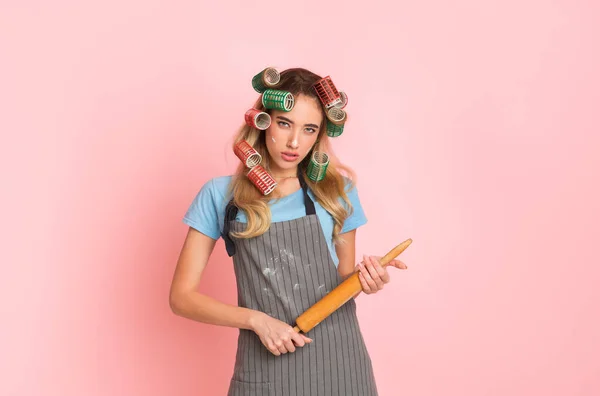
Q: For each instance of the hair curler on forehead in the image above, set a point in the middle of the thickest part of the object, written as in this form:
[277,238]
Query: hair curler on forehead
[278,100]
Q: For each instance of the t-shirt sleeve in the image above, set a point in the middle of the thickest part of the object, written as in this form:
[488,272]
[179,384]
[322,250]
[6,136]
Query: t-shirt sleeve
[357,218]
[202,215]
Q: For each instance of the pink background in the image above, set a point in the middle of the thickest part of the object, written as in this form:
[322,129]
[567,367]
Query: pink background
[474,130]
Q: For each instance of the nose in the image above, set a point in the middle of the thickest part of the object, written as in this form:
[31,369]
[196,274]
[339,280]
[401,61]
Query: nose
[293,140]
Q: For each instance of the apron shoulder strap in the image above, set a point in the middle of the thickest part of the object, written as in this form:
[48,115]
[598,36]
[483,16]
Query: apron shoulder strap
[231,212]
[309,205]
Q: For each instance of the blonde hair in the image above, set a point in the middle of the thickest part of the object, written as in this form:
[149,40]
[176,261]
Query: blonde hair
[327,191]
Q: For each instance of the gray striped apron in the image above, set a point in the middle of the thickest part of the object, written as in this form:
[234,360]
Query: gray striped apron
[282,273]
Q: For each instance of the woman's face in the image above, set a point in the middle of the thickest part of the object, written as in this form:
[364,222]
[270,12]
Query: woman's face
[292,135]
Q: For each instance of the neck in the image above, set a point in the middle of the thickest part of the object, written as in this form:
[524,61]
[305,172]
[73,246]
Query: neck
[285,177]
[277,174]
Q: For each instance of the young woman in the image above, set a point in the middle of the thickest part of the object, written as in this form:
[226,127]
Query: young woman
[290,248]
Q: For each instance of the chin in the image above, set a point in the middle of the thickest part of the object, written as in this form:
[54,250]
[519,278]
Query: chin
[288,165]
[283,165]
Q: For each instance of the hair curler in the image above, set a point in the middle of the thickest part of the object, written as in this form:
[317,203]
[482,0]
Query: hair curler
[247,154]
[258,119]
[278,100]
[317,167]
[262,179]
[334,130]
[344,101]
[327,92]
[336,118]
[268,78]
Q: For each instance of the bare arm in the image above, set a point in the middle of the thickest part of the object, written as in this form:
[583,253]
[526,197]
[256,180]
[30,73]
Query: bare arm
[184,298]
[346,254]
[278,337]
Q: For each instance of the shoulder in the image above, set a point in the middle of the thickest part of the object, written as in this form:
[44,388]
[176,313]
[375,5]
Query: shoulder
[213,193]
[350,189]
[206,211]
[349,184]
[216,187]
[356,216]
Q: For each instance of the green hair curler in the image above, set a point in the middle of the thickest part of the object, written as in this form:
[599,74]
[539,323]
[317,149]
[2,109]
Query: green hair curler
[336,118]
[268,78]
[278,100]
[317,168]
[334,130]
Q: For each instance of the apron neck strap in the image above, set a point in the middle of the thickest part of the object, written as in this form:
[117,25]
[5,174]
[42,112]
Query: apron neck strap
[309,205]
[231,212]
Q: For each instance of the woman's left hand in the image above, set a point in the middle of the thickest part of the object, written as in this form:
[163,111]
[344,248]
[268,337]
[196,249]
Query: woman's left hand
[372,275]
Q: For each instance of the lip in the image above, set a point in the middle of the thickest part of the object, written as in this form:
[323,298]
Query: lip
[289,157]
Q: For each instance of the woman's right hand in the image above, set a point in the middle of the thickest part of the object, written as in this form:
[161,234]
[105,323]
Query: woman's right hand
[277,336]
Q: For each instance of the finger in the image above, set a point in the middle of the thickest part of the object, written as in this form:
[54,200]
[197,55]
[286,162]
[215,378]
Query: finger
[298,340]
[363,283]
[399,264]
[364,266]
[383,274]
[286,339]
[377,282]
[369,280]
[394,263]
[385,277]
[361,268]
[371,286]
[289,345]
[280,347]
[273,349]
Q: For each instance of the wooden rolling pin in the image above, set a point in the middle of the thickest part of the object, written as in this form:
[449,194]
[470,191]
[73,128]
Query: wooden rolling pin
[340,295]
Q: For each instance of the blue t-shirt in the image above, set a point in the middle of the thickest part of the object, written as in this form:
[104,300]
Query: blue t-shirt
[206,214]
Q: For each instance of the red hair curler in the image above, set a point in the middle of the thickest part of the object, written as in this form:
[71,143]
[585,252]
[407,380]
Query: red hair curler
[262,179]
[247,154]
[258,119]
[327,92]
[344,101]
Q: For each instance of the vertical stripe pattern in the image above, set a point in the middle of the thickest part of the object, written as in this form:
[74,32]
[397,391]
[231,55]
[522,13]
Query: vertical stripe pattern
[282,273]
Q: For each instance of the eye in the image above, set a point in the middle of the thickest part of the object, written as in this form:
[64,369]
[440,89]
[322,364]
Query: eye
[311,130]
[283,124]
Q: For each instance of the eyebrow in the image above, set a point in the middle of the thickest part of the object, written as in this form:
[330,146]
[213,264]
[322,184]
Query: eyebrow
[291,122]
